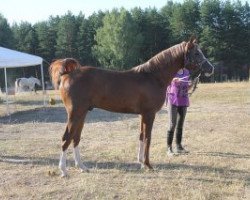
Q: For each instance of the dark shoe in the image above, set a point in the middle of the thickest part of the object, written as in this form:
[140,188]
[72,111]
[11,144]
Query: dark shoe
[181,150]
[170,152]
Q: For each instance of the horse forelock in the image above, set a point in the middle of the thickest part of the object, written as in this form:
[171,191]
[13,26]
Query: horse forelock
[163,59]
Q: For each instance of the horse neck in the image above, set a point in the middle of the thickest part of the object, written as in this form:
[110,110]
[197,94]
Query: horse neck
[35,80]
[167,63]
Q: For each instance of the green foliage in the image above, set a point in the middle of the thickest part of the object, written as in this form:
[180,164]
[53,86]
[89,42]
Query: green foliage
[46,36]
[118,41]
[185,20]
[25,38]
[85,37]
[66,36]
[211,34]
[6,36]
[154,30]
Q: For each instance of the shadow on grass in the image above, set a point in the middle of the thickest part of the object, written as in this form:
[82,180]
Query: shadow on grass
[132,167]
[29,103]
[58,114]
[70,163]
[225,155]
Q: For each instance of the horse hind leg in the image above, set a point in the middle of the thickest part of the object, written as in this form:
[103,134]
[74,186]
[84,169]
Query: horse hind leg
[76,151]
[66,142]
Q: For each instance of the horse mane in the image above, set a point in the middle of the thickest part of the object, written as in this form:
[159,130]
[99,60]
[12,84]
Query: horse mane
[163,59]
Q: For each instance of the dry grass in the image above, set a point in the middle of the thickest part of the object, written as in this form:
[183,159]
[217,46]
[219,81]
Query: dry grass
[216,133]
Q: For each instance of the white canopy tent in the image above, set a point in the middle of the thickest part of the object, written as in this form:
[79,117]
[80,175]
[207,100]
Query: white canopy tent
[14,59]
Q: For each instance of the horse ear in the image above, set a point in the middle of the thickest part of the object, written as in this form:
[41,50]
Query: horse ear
[191,42]
[193,39]
[69,64]
[189,45]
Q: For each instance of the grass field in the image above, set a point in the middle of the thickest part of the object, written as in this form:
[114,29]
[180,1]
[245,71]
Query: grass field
[217,133]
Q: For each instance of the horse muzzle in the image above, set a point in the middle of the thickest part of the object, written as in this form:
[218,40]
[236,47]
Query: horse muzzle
[207,68]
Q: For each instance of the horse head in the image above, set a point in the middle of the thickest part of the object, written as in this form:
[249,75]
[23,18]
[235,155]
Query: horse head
[35,80]
[195,59]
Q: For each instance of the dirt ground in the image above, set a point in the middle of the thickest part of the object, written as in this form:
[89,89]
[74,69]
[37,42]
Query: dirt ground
[217,133]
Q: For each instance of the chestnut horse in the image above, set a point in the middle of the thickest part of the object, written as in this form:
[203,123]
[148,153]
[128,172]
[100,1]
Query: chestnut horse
[140,90]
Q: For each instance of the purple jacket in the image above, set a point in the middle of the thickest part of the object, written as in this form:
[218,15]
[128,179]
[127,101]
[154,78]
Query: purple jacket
[177,92]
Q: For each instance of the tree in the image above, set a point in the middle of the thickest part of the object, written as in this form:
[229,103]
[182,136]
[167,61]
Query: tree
[211,22]
[85,37]
[233,53]
[154,29]
[185,20]
[6,36]
[25,37]
[46,36]
[66,36]
[118,41]
[167,13]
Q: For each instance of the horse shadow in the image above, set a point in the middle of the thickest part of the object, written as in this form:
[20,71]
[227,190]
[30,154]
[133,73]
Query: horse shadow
[44,161]
[225,155]
[133,168]
[59,115]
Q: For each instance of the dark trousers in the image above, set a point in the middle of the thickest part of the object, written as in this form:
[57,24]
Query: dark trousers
[176,121]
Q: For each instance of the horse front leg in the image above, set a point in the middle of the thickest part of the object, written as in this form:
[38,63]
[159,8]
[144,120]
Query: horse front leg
[140,156]
[147,123]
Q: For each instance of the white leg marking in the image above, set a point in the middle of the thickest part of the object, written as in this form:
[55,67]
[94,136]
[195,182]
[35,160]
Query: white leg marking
[78,162]
[141,152]
[62,164]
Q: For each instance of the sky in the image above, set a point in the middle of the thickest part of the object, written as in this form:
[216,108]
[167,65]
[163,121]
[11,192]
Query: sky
[39,10]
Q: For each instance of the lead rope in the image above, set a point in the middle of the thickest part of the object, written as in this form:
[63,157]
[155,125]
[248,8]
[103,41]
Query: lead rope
[195,83]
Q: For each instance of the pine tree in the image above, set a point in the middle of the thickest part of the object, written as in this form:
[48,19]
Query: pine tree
[185,20]
[6,36]
[66,36]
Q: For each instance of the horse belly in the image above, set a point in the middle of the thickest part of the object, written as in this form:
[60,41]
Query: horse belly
[118,103]
[134,100]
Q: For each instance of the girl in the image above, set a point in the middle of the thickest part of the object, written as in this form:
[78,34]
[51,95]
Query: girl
[178,101]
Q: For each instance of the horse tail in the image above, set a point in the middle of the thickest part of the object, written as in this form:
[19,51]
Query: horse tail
[61,67]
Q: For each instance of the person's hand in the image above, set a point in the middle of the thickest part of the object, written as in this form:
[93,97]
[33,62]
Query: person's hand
[176,80]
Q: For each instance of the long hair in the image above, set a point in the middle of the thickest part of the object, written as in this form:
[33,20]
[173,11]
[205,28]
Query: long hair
[163,59]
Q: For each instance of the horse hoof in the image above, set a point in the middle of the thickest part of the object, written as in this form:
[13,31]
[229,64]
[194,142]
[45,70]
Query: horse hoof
[147,167]
[84,169]
[64,175]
